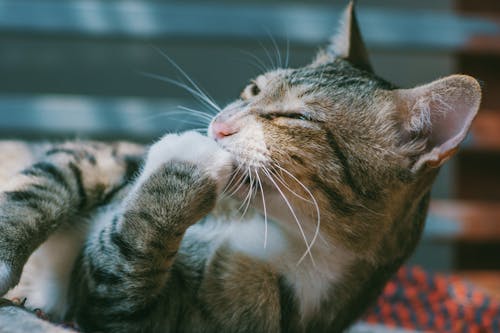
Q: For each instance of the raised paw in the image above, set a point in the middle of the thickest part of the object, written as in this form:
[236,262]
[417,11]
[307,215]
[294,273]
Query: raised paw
[194,148]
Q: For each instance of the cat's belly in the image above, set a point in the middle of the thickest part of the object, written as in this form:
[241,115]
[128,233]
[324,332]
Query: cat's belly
[46,276]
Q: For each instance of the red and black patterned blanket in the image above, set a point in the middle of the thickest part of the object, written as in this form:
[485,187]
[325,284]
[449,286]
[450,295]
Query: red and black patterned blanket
[418,300]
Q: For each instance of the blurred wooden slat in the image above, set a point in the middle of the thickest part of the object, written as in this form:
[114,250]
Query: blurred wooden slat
[485,132]
[299,23]
[478,163]
[485,68]
[478,6]
[47,117]
[468,221]
[481,45]
[477,175]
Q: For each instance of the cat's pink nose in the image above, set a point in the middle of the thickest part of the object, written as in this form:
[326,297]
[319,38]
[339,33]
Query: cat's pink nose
[221,130]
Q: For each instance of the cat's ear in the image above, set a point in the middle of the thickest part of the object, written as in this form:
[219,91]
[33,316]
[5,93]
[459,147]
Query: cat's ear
[348,43]
[440,112]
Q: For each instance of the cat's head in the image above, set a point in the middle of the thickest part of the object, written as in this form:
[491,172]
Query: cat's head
[353,139]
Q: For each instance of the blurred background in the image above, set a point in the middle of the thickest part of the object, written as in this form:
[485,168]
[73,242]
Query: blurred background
[72,69]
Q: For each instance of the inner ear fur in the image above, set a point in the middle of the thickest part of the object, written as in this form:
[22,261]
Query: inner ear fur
[440,113]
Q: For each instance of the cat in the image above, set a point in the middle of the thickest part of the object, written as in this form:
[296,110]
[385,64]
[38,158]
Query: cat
[335,163]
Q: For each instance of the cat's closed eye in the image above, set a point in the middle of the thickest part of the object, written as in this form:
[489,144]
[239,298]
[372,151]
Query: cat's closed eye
[290,115]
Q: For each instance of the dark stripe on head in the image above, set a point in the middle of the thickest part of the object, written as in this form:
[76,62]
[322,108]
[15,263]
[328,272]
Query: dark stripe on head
[348,177]
[336,200]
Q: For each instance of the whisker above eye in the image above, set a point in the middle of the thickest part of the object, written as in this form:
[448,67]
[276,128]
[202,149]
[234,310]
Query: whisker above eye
[276,48]
[257,61]
[200,96]
[287,56]
[271,61]
[191,81]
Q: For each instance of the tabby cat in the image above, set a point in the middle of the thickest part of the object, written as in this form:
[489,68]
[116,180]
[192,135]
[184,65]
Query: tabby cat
[335,163]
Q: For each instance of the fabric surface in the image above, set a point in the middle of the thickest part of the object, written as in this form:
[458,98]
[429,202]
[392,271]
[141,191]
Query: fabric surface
[417,300]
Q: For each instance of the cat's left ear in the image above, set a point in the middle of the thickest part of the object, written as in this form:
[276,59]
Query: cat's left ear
[440,112]
[347,43]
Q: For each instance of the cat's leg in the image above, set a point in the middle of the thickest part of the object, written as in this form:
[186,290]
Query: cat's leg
[127,263]
[65,180]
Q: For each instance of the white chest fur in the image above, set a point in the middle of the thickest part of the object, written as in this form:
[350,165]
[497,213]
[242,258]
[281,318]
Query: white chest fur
[310,281]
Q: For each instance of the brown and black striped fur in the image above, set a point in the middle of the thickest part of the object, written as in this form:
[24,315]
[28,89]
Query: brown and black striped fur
[335,162]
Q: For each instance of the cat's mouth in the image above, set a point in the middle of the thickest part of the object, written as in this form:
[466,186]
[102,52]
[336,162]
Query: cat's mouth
[245,156]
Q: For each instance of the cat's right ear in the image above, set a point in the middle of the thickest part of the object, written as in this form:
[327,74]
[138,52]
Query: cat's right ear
[347,43]
[440,113]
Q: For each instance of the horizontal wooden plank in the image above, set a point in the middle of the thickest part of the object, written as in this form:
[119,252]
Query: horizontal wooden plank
[298,23]
[60,116]
[486,68]
[455,220]
[485,132]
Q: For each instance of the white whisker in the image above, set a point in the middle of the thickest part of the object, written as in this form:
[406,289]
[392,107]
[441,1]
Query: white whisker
[241,181]
[276,48]
[184,74]
[263,206]
[273,65]
[251,193]
[202,130]
[231,180]
[316,233]
[194,112]
[282,181]
[199,96]
[287,57]
[308,248]
[261,66]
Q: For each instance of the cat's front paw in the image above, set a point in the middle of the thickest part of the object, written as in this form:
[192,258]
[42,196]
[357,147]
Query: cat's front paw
[191,147]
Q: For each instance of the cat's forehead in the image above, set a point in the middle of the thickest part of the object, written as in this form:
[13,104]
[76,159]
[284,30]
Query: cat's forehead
[336,74]
[335,77]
